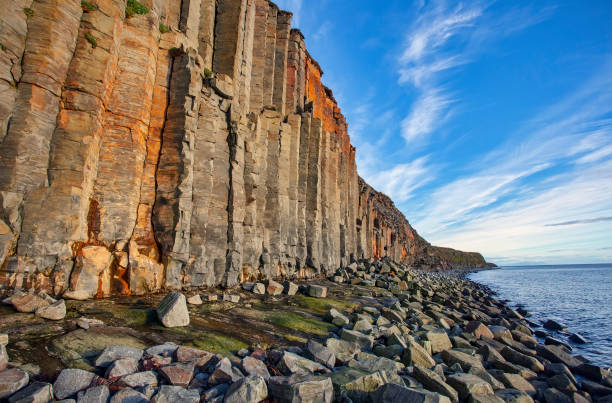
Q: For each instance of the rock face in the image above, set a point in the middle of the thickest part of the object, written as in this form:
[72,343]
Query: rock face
[211,154]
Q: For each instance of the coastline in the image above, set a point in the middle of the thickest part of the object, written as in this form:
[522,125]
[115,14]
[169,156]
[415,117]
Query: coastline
[392,331]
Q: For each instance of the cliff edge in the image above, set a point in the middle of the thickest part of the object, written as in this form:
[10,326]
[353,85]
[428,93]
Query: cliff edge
[175,144]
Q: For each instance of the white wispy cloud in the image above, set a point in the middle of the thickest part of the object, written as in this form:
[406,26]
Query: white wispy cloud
[426,114]
[556,169]
[402,180]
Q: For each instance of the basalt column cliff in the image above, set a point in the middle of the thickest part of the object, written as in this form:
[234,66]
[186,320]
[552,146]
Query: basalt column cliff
[177,143]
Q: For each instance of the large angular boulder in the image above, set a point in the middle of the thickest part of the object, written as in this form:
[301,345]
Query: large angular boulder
[37,392]
[466,384]
[179,374]
[129,395]
[254,366]
[114,353]
[321,354]
[176,394]
[12,380]
[291,364]
[370,362]
[121,367]
[301,389]
[362,340]
[274,288]
[434,382]
[317,291]
[97,394]
[91,273]
[342,349]
[172,310]
[392,393]
[439,341]
[415,354]
[71,381]
[251,389]
[28,302]
[466,361]
[54,311]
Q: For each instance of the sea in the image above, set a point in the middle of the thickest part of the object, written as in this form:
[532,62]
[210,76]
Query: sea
[578,296]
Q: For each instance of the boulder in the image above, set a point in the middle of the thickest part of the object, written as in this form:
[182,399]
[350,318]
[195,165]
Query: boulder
[54,311]
[370,362]
[290,288]
[224,372]
[515,381]
[362,388]
[466,361]
[176,394]
[435,383]
[415,354]
[479,330]
[578,339]
[274,288]
[172,310]
[165,350]
[342,349]
[392,393]
[337,318]
[439,341]
[362,326]
[556,396]
[291,364]
[28,302]
[190,354]
[321,354]
[362,340]
[466,384]
[301,389]
[478,398]
[485,375]
[129,395]
[179,374]
[513,395]
[558,355]
[317,291]
[114,353]
[71,381]
[195,300]
[97,394]
[11,381]
[37,392]
[254,366]
[551,324]
[251,389]
[121,367]
[4,358]
[521,359]
[85,280]
[259,288]
[139,379]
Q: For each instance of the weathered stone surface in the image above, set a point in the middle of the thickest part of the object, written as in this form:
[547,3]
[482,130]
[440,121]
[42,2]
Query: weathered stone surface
[176,394]
[342,349]
[317,291]
[114,353]
[139,379]
[129,395]
[97,394]
[457,357]
[28,302]
[321,354]
[362,340]
[439,341]
[37,392]
[190,354]
[172,310]
[291,364]
[434,382]
[254,366]
[415,354]
[54,311]
[274,288]
[391,393]
[12,380]
[71,381]
[213,154]
[251,389]
[224,372]
[121,367]
[467,384]
[301,388]
[178,374]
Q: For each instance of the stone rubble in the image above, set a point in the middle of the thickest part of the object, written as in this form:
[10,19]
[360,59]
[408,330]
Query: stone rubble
[432,350]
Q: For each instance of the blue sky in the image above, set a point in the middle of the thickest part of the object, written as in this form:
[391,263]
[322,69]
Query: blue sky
[489,123]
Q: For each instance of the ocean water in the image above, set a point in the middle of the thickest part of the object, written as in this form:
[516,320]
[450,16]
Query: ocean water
[579,296]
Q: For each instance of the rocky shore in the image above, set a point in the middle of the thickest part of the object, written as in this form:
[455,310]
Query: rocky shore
[374,332]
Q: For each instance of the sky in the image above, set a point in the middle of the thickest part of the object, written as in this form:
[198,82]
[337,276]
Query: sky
[489,123]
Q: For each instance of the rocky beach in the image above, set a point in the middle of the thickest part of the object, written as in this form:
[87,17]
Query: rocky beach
[375,331]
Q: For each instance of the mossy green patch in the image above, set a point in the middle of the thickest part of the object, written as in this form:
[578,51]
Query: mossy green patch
[163,28]
[135,7]
[323,305]
[294,321]
[218,343]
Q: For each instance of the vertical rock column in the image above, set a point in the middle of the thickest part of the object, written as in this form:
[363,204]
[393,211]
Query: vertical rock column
[283,26]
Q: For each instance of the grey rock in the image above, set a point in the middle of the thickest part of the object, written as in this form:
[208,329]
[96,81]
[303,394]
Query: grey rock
[54,311]
[129,395]
[114,353]
[317,291]
[172,310]
[513,396]
[37,392]
[466,384]
[71,381]
[370,362]
[465,360]
[28,302]
[439,341]
[415,354]
[321,354]
[251,389]
[435,383]
[301,389]
[254,366]
[551,324]
[337,318]
[362,340]
[342,349]
[139,379]
[224,372]
[121,367]
[195,300]
[391,393]
[176,394]
[290,288]
[97,394]
[259,288]
[291,364]
[165,350]
[577,338]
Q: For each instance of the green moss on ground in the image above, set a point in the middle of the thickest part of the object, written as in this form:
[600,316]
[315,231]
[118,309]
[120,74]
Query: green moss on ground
[323,305]
[218,343]
[294,321]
